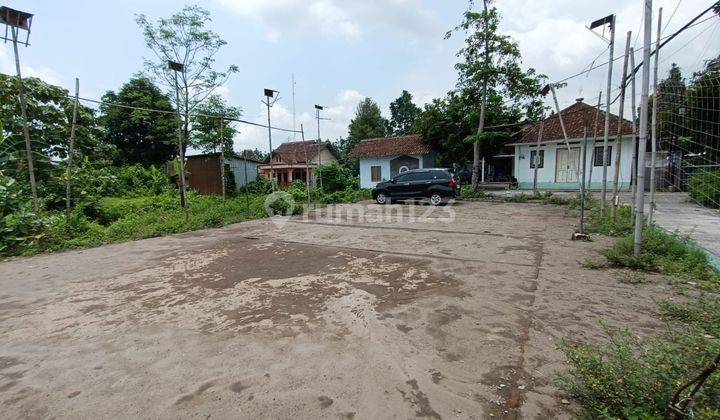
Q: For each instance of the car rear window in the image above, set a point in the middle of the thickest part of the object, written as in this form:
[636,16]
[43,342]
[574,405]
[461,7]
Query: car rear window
[440,174]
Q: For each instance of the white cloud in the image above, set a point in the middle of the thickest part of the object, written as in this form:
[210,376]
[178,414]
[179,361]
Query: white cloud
[7,66]
[349,19]
[340,112]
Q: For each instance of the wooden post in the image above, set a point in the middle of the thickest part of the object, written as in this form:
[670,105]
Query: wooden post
[654,139]
[633,171]
[23,113]
[618,141]
[565,136]
[222,159]
[595,130]
[181,151]
[71,150]
[537,157]
[603,188]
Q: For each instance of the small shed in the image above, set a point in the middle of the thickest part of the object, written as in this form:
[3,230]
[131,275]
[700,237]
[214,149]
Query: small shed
[203,171]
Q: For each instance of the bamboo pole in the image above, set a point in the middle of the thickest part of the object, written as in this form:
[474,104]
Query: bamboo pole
[71,150]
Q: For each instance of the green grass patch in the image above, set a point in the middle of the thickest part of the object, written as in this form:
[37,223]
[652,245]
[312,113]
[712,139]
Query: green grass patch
[630,378]
[592,264]
[665,253]
[632,278]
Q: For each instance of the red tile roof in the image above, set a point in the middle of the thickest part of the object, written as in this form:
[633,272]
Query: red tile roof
[298,151]
[391,146]
[573,117]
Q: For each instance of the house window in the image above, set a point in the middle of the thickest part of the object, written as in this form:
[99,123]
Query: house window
[598,156]
[376,173]
[541,159]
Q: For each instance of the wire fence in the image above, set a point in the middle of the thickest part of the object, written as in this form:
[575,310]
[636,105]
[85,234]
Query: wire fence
[688,136]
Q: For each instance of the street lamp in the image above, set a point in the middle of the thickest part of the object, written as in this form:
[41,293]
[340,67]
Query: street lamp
[15,21]
[319,108]
[176,67]
[270,99]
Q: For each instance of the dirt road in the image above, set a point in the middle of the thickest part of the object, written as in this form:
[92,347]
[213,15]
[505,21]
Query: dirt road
[362,315]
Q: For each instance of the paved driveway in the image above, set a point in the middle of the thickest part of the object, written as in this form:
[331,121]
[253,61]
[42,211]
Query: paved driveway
[355,314]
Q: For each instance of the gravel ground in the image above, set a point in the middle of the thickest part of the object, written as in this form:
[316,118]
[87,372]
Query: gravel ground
[359,311]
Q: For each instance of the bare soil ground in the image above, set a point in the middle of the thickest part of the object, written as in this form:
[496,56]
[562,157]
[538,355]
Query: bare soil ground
[348,315]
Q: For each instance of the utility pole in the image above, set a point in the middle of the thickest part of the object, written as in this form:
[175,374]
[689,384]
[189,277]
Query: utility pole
[582,183]
[319,108]
[644,88]
[618,141]
[307,165]
[654,140]
[595,129]
[609,20]
[222,158]
[633,171]
[483,104]
[537,156]
[178,67]
[71,150]
[16,20]
[269,102]
[293,105]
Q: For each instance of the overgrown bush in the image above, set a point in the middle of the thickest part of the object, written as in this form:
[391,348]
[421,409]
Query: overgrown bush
[260,185]
[336,178]
[630,378]
[704,188]
[470,193]
[20,227]
[665,253]
[623,224]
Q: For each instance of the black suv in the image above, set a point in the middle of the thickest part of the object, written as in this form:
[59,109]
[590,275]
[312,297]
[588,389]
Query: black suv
[434,184]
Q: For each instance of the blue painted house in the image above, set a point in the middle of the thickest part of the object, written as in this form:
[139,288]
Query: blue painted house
[383,158]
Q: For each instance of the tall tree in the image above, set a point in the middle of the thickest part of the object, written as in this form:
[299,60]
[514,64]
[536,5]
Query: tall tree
[403,113]
[140,136]
[184,38]
[49,110]
[367,123]
[491,64]
[206,131]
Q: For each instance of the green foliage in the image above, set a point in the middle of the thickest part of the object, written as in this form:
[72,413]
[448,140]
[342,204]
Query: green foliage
[207,135]
[140,136]
[665,253]
[49,112]
[703,312]
[403,113]
[260,185]
[469,193]
[336,178]
[367,123]
[593,264]
[626,377]
[632,278]
[704,188]
[20,228]
[623,225]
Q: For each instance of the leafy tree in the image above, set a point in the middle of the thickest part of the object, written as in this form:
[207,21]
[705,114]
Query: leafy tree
[184,38]
[49,110]
[140,136]
[449,124]
[256,154]
[491,65]
[368,123]
[403,113]
[207,135]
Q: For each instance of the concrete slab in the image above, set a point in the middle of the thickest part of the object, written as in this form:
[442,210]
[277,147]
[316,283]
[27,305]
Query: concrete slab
[326,317]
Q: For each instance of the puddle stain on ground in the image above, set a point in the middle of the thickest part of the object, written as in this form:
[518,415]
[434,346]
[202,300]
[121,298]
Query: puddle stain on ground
[290,291]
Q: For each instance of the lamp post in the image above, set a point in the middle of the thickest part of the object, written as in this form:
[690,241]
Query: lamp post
[319,108]
[270,99]
[15,21]
[178,67]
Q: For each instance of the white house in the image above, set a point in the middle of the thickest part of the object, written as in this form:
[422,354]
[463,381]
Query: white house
[559,168]
[383,158]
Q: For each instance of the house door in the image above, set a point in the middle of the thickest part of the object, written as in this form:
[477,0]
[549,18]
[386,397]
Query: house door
[567,166]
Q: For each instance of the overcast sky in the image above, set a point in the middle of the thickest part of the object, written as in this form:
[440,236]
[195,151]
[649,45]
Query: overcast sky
[344,50]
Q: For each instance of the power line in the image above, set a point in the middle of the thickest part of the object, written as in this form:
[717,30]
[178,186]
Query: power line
[667,25]
[162,111]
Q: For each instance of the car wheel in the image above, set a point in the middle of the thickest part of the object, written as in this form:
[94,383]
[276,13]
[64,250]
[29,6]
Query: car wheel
[436,199]
[381,198]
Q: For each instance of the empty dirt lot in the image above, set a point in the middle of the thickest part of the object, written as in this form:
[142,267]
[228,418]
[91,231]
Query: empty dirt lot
[453,315]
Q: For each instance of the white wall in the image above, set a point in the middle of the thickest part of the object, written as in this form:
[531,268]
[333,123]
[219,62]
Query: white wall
[546,175]
[325,157]
[384,163]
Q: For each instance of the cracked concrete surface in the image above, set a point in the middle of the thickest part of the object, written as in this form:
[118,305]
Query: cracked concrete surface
[345,316]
